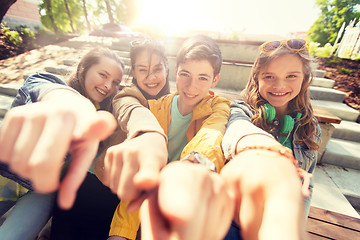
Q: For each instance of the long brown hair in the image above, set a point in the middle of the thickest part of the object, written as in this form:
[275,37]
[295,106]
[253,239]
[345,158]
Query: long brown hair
[301,103]
[77,79]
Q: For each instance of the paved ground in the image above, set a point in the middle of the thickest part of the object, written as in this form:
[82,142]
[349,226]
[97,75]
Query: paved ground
[13,69]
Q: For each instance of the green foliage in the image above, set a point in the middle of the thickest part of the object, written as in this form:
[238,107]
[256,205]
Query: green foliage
[333,60]
[345,71]
[333,14]
[322,52]
[12,35]
[96,10]
[61,18]
[21,36]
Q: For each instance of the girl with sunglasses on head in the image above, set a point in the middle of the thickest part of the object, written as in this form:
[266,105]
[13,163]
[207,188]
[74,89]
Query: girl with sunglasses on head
[273,121]
[149,68]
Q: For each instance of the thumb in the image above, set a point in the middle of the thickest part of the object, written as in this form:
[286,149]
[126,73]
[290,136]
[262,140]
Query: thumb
[82,157]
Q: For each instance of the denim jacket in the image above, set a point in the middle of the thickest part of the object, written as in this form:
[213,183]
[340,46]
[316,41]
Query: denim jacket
[239,125]
[34,88]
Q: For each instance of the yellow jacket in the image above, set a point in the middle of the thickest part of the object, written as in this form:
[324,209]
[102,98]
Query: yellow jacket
[204,135]
[207,125]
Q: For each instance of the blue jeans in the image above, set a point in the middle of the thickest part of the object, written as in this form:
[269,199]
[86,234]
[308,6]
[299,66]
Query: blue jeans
[233,233]
[29,215]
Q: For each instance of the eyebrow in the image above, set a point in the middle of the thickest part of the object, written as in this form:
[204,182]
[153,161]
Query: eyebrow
[286,73]
[201,74]
[105,71]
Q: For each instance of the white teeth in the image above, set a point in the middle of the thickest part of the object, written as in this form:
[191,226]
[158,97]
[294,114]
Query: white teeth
[278,94]
[190,96]
[152,85]
[101,91]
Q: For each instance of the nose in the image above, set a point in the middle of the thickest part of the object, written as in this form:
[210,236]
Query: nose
[108,84]
[279,83]
[191,84]
[151,75]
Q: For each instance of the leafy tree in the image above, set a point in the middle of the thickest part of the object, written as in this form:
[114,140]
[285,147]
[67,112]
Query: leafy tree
[333,14]
[69,15]
[48,20]
[63,17]
[86,15]
[66,16]
[4,7]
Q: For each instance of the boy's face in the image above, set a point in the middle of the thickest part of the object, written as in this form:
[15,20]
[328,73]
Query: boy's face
[194,78]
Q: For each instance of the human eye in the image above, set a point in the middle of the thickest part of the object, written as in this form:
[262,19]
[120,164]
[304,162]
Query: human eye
[292,76]
[184,74]
[116,82]
[103,75]
[159,69]
[203,78]
[267,77]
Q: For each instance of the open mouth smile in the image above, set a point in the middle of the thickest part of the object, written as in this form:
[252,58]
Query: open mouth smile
[102,92]
[152,85]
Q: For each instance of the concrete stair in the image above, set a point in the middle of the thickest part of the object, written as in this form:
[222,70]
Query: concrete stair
[323,82]
[339,109]
[7,94]
[327,94]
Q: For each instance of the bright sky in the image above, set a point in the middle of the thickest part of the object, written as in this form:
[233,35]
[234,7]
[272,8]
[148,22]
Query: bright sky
[249,16]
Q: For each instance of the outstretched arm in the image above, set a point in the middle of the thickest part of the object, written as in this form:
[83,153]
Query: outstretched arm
[35,139]
[190,203]
[268,196]
[134,166]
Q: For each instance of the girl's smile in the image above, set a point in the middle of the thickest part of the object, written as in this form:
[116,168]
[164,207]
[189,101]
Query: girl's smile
[280,81]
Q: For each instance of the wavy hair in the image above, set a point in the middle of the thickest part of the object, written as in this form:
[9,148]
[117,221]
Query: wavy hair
[301,103]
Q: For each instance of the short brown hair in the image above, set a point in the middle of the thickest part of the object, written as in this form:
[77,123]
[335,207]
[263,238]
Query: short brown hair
[201,47]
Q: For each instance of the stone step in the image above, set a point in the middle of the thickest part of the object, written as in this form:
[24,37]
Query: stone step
[319,73]
[323,82]
[342,153]
[71,62]
[61,70]
[74,62]
[341,110]
[328,94]
[347,130]
[10,89]
[347,180]
[5,104]
[327,195]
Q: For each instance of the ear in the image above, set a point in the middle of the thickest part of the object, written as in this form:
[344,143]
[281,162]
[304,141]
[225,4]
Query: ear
[215,81]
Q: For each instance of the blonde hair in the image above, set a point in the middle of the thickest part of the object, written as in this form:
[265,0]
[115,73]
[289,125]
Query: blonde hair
[301,103]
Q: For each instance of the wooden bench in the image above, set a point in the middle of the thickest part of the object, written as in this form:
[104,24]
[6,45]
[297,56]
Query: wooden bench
[324,224]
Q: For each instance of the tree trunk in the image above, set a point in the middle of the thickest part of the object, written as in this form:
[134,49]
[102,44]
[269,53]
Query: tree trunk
[108,8]
[86,16]
[4,7]
[50,14]
[69,15]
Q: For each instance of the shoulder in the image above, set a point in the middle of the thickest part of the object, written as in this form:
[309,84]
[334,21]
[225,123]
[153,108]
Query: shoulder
[44,78]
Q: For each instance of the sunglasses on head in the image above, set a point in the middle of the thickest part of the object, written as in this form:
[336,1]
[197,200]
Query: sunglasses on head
[296,45]
[138,42]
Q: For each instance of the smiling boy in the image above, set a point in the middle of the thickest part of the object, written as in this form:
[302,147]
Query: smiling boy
[193,118]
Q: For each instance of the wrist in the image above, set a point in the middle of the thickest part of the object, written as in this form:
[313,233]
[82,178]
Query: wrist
[278,149]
